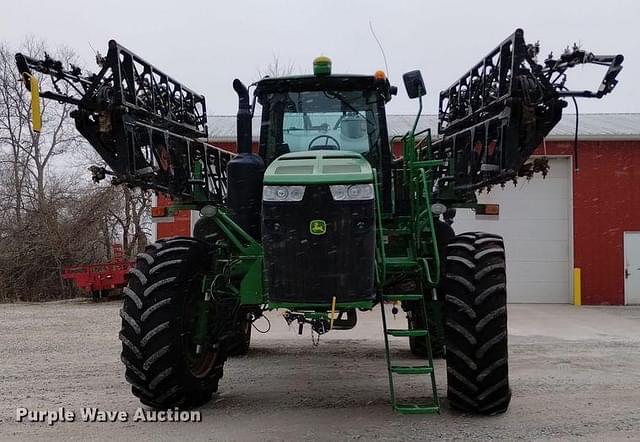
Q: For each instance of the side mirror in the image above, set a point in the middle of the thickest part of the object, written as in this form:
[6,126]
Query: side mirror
[413,84]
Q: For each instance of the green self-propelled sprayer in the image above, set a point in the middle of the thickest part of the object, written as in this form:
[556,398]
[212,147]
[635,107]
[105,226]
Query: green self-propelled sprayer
[323,220]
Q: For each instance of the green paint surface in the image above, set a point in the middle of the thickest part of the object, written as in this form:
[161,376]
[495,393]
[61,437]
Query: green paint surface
[319,167]
[301,306]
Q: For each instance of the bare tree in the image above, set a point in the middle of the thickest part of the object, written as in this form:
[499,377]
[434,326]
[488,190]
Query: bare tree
[49,218]
[130,216]
[14,130]
[33,257]
[277,68]
[28,154]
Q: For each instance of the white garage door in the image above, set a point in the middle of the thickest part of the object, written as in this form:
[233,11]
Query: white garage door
[534,221]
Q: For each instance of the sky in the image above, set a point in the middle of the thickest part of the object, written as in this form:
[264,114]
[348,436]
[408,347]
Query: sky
[206,44]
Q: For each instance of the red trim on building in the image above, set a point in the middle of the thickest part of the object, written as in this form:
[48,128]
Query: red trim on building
[606,203]
[231,145]
[181,224]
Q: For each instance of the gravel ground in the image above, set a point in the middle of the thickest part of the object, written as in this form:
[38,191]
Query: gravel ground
[575,373]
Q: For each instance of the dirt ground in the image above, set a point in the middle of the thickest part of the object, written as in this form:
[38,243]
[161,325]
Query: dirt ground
[575,373]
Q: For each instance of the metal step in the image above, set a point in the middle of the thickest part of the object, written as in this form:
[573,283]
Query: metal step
[417,369]
[416,409]
[401,262]
[396,232]
[425,369]
[405,333]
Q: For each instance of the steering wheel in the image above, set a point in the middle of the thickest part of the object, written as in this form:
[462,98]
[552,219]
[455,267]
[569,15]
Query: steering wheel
[335,146]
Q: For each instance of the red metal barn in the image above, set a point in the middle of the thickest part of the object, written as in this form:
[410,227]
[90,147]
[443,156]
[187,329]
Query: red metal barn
[587,219]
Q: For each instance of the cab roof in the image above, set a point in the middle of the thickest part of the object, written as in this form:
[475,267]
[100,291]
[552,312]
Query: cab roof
[303,83]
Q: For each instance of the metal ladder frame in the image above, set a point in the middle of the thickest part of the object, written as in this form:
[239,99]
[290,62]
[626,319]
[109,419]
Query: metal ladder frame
[429,369]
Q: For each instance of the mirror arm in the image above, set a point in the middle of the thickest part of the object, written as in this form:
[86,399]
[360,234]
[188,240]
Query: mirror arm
[415,123]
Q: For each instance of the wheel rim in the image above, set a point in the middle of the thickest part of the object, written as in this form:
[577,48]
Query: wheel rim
[201,365]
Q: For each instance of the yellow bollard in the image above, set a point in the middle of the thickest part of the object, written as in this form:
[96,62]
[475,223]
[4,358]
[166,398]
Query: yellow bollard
[577,286]
[333,312]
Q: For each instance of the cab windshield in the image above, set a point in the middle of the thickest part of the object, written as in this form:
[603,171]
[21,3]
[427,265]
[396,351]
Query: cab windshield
[319,120]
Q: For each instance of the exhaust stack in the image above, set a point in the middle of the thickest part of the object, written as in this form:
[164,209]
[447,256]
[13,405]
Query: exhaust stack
[243,117]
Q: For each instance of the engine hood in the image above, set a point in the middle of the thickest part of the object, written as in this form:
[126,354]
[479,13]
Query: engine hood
[319,167]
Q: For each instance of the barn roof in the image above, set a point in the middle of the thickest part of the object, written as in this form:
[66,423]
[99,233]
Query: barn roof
[591,126]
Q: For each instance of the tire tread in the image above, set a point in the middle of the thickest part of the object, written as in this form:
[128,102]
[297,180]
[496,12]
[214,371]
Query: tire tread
[151,334]
[476,324]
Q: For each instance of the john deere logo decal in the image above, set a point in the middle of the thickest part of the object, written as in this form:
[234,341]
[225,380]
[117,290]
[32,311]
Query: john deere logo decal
[318,227]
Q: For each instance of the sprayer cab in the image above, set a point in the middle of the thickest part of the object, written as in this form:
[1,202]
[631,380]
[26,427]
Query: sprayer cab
[322,112]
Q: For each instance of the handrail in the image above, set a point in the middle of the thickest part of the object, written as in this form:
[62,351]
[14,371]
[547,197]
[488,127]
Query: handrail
[380,246]
[422,176]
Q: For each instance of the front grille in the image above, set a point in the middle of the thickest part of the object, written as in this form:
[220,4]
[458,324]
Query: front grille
[302,267]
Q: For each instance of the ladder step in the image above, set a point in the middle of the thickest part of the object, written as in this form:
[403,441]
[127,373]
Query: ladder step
[403,297]
[416,409]
[428,406]
[401,262]
[405,333]
[418,369]
[397,232]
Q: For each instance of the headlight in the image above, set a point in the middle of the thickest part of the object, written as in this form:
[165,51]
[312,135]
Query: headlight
[438,209]
[282,193]
[354,192]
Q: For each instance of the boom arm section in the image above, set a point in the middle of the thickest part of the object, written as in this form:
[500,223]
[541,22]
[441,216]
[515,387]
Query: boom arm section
[493,117]
[150,129]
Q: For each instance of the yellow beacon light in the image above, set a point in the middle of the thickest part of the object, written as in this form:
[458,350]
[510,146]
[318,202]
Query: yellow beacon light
[379,75]
[322,65]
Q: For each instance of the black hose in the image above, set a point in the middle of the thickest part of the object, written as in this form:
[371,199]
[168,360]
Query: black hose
[575,138]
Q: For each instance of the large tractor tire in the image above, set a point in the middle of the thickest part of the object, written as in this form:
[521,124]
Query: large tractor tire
[476,324]
[416,320]
[242,340]
[158,326]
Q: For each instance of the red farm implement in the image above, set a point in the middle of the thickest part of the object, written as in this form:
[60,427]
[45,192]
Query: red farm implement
[100,280]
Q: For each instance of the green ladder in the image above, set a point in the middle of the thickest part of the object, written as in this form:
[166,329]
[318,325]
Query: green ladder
[406,408]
